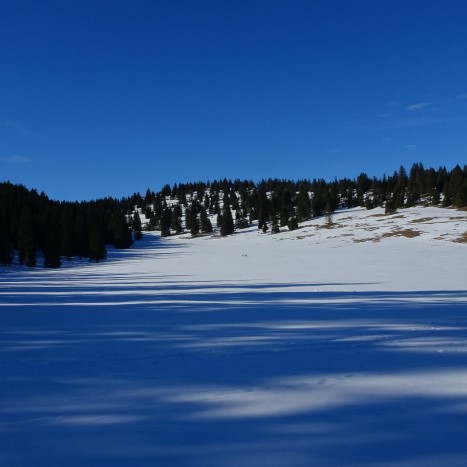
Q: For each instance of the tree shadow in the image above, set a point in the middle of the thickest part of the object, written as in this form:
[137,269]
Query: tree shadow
[119,371]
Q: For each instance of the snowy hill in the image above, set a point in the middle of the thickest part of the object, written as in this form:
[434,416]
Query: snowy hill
[397,252]
[340,343]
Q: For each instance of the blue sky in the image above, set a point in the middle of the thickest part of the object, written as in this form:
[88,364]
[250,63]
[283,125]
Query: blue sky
[105,98]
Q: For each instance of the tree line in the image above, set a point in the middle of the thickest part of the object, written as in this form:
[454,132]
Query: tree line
[32,223]
[276,203]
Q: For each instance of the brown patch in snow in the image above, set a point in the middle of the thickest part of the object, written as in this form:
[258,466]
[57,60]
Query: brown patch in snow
[422,219]
[407,233]
[461,239]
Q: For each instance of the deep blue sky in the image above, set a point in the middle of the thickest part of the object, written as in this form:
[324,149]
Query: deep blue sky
[105,98]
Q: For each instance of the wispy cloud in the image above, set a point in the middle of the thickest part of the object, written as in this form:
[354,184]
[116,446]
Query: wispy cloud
[18,129]
[417,106]
[463,96]
[416,120]
[411,147]
[15,159]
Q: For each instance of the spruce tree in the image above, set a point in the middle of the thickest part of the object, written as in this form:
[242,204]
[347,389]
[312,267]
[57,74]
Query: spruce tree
[6,247]
[194,223]
[97,249]
[177,219]
[303,205]
[136,226]
[263,209]
[205,223]
[293,223]
[165,222]
[26,238]
[274,225]
[121,232]
[227,224]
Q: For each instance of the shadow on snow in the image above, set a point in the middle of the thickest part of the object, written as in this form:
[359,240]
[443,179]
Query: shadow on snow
[116,371]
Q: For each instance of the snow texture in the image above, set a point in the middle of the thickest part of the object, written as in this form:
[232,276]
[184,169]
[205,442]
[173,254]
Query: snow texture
[341,344]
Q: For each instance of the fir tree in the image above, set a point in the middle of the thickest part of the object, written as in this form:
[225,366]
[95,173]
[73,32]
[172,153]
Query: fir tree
[205,223]
[227,224]
[274,225]
[97,249]
[121,232]
[26,238]
[165,221]
[303,205]
[136,226]
[176,223]
[293,223]
[6,247]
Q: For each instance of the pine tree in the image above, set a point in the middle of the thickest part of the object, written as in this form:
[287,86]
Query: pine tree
[227,224]
[205,223]
[165,221]
[303,205]
[6,247]
[50,236]
[97,249]
[263,209]
[26,238]
[194,223]
[391,207]
[121,232]
[293,223]
[137,227]
[176,223]
[274,225]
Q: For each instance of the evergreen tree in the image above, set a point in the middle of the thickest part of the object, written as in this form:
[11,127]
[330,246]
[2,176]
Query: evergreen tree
[176,223]
[136,226]
[285,207]
[205,223]
[26,238]
[318,203]
[227,224]
[391,207]
[293,223]
[263,209]
[303,205]
[274,225]
[165,221]
[97,249]
[6,247]
[50,237]
[121,232]
[194,223]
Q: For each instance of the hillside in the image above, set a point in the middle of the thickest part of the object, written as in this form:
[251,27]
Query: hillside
[32,224]
[420,248]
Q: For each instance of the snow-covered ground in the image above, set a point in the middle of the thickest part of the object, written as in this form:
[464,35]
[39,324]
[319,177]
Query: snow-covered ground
[328,345]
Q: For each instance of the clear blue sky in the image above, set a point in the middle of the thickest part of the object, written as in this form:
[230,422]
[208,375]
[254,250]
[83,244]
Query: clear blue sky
[105,98]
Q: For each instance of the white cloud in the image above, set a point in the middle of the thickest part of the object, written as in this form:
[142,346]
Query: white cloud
[417,106]
[18,129]
[463,96]
[15,159]
[411,147]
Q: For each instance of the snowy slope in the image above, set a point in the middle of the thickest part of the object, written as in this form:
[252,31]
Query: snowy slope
[328,345]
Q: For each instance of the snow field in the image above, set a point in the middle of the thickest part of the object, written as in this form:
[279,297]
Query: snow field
[328,345]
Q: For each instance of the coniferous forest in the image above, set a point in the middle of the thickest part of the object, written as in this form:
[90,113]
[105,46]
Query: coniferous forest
[32,226]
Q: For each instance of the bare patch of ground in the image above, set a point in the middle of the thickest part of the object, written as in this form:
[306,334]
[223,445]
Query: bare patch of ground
[422,219]
[408,233]
[461,239]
